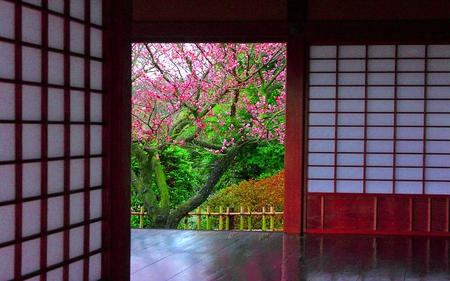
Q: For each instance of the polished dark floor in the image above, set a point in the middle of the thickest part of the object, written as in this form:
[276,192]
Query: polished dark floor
[227,255]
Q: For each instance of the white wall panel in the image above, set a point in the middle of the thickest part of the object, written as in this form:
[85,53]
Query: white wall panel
[55,31]
[380,92]
[31,141]
[351,92]
[76,174]
[7,217]
[31,218]
[76,37]
[322,92]
[55,213]
[76,209]
[31,26]
[55,68]
[7,137]
[30,256]
[7,103]
[31,64]
[31,100]
[7,57]
[31,180]
[7,19]
[55,140]
[96,203]
[383,187]
[55,176]
[7,264]
[54,250]
[343,186]
[440,188]
[76,72]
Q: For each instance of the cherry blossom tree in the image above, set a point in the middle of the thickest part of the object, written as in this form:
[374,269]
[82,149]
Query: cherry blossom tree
[214,97]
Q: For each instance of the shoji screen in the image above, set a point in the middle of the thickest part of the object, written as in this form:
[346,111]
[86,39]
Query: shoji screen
[379,121]
[51,131]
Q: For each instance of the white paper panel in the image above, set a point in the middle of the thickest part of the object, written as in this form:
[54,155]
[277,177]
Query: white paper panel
[31,179]
[55,176]
[350,146]
[350,119]
[76,37]
[410,119]
[438,65]
[76,208]
[321,146]
[95,208]
[7,138]
[322,65]
[76,106]
[7,218]
[76,238]
[96,140]
[31,218]
[30,256]
[380,106]
[380,159]
[380,119]
[31,141]
[7,102]
[55,212]
[34,2]
[438,78]
[438,119]
[321,119]
[349,186]
[381,51]
[31,64]
[411,65]
[56,274]
[31,103]
[379,187]
[438,133]
[440,51]
[321,172]
[76,72]
[408,173]
[380,92]
[349,172]
[321,132]
[350,133]
[381,65]
[409,160]
[96,11]
[351,78]
[381,79]
[320,186]
[76,174]
[409,146]
[438,106]
[96,107]
[351,92]
[55,31]
[95,236]
[96,42]
[7,58]
[350,159]
[411,79]
[77,9]
[379,173]
[95,267]
[55,140]
[7,184]
[437,160]
[55,68]
[322,92]
[7,19]
[438,146]
[76,271]
[31,26]
[380,133]
[7,264]
[437,174]
[96,171]
[411,51]
[408,187]
[380,146]
[438,92]
[409,133]
[55,104]
[322,79]
[351,106]
[322,52]
[411,92]
[442,188]
[55,248]
[76,140]
[322,105]
[56,5]
[96,75]
[352,65]
[320,159]
[352,51]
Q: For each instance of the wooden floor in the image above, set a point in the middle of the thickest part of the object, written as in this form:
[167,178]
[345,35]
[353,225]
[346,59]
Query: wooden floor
[226,255]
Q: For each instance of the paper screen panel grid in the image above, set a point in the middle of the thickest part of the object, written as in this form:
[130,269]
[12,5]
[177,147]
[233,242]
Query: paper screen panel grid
[51,139]
[379,119]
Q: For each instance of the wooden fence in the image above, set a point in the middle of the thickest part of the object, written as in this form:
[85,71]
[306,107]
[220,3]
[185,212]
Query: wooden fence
[226,218]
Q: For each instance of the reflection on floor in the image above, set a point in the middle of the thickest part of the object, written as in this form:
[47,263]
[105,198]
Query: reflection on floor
[227,255]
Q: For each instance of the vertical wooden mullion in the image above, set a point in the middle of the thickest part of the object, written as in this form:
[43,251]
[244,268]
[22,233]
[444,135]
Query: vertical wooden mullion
[18,140]
[44,137]
[67,81]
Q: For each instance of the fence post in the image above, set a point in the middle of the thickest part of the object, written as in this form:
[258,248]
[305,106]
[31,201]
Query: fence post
[241,227]
[199,219]
[141,218]
[272,221]
[264,226]
[231,220]
[208,218]
[220,218]
[227,219]
[249,220]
